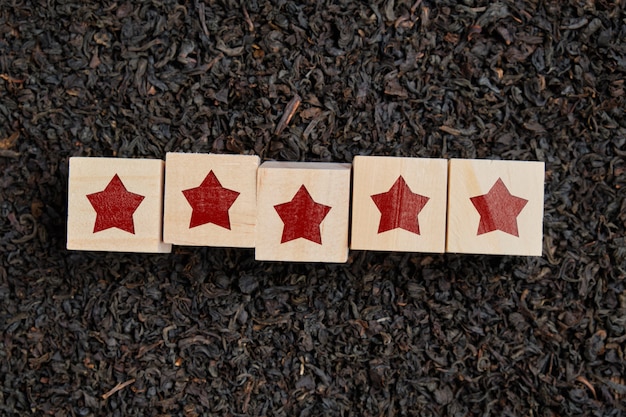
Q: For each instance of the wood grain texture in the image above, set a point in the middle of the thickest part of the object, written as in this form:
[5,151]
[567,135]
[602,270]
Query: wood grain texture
[509,194]
[115,204]
[411,193]
[209,223]
[311,198]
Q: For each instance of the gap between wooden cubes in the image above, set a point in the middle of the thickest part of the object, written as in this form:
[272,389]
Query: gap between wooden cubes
[306,211]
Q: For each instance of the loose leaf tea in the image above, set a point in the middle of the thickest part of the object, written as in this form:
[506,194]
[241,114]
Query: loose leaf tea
[211,331]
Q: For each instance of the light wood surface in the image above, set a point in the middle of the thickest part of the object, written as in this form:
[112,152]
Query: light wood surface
[375,175]
[141,177]
[187,171]
[328,184]
[474,178]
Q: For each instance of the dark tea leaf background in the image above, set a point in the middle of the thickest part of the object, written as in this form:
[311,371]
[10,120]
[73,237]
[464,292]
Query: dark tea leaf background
[210,331]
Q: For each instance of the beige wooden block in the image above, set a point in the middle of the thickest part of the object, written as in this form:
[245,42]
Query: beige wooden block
[210,199]
[399,204]
[495,207]
[115,204]
[303,211]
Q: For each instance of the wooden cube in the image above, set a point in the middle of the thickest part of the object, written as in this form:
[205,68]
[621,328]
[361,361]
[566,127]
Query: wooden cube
[303,211]
[210,199]
[399,204]
[115,204]
[495,207]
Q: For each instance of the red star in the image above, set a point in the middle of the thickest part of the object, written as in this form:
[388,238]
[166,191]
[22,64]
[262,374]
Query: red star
[115,206]
[210,202]
[498,210]
[302,217]
[399,208]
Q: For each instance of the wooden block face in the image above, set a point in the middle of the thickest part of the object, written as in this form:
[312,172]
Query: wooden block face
[115,204]
[399,204]
[210,200]
[495,207]
[303,211]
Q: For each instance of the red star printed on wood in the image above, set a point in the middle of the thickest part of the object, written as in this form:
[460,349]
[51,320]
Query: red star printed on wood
[498,210]
[302,217]
[115,206]
[399,208]
[210,202]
